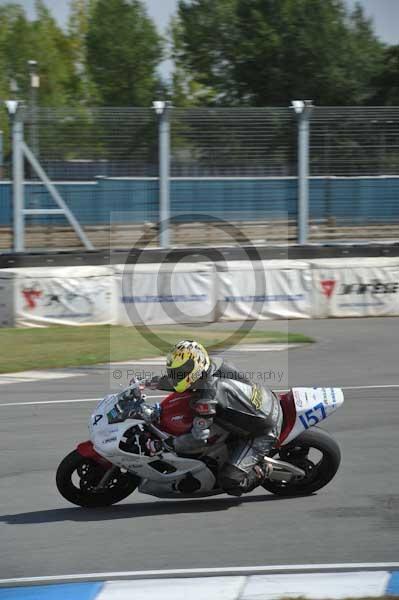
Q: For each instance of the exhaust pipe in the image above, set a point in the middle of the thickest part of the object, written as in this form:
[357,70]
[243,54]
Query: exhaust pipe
[282,471]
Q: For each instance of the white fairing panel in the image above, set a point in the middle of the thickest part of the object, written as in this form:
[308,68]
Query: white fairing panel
[313,405]
[106,438]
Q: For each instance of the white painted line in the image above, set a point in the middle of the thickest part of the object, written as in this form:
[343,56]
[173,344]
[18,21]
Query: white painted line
[370,387]
[274,347]
[161,360]
[32,376]
[218,571]
[35,403]
[155,397]
[271,347]
[50,402]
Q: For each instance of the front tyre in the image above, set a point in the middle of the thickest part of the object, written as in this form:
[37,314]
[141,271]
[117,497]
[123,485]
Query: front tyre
[314,451]
[78,476]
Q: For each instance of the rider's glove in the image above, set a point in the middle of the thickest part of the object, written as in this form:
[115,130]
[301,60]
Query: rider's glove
[153,447]
[200,429]
[132,392]
[150,413]
[153,382]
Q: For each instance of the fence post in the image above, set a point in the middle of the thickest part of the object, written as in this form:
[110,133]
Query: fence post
[18,176]
[1,154]
[303,109]
[162,109]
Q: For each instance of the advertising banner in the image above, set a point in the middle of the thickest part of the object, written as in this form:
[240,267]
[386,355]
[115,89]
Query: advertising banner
[365,288]
[165,293]
[64,296]
[264,290]
[6,299]
[155,294]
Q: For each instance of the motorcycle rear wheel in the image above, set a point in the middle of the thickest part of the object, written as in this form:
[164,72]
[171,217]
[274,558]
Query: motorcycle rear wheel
[87,473]
[318,474]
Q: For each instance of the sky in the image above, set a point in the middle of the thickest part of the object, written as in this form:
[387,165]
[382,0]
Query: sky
[385,14]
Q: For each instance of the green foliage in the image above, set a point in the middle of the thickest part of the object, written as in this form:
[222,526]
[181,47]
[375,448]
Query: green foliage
[387,81]
[78,26]
[41,40]
[108,55]
[267,52]
[123,52]
[226,53]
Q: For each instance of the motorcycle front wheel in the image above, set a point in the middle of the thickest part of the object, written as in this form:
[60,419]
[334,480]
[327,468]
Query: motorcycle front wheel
[77,478]
[314,451]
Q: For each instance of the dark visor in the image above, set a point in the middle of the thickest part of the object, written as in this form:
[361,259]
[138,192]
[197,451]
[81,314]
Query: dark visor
[179,373]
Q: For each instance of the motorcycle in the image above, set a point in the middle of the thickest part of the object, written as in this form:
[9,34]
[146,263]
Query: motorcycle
[131,454]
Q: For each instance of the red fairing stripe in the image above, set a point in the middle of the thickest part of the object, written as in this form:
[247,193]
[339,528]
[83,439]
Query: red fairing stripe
[86,450]
[289,415]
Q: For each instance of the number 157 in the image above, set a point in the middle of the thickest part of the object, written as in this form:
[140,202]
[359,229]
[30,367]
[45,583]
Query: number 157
[310,418]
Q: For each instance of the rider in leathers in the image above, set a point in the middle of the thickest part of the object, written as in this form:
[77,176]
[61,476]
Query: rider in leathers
[221,396]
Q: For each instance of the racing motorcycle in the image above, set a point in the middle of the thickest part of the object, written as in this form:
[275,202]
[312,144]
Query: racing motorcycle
[124,455]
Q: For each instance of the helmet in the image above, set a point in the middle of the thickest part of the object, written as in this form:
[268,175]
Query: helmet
[186,363]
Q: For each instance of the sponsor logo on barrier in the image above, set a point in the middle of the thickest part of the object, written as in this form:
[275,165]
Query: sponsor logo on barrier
[31,296]
[374,287]
[327,287]
[359,288]
[266,298]
[178,298]
[58,303]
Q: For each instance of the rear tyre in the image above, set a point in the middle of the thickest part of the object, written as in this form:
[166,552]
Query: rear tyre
[299,453]
[78,476]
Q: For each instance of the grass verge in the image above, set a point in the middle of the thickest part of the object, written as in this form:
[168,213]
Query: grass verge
[57,347]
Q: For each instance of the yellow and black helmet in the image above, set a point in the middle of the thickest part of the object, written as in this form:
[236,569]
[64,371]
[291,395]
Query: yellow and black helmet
[186,363]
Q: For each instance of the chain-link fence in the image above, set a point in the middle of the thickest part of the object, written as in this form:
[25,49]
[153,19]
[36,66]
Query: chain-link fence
[238,165]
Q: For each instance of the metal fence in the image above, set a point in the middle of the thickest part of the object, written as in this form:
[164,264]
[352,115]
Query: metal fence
[237,166]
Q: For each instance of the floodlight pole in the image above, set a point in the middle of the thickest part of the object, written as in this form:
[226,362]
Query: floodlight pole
[162,109]
[303,109]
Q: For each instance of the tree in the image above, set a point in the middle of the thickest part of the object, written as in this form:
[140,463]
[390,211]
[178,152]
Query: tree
[123,53]
[41,40]
[78,26]
[264,52]
[203,36]
[387,81]
[52,49]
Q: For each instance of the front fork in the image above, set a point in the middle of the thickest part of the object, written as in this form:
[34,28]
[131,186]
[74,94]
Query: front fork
[86,449]
[106,478]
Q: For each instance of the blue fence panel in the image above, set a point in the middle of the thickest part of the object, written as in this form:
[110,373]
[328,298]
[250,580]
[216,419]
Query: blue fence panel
[5,204]
[97,203]
[349,201]
[133,199]
[237,199]
[354,201]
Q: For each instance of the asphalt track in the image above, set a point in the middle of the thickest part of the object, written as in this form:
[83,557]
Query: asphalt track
[354,519]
